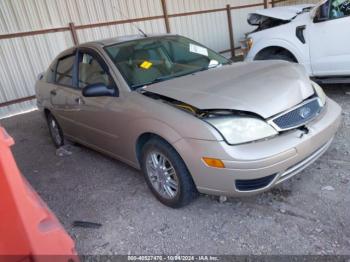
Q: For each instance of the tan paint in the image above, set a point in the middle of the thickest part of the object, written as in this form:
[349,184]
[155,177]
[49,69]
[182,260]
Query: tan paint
[112,125]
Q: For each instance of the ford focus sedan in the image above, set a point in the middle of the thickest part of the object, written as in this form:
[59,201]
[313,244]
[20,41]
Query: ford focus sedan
[189,118]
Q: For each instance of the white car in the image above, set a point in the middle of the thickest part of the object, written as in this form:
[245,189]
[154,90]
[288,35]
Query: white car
[316,36]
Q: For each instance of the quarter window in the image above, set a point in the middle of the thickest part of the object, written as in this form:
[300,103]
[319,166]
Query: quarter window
[64,71]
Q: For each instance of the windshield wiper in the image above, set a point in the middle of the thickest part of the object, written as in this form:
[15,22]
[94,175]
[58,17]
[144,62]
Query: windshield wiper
[164,78]
[157,80]
[198,70]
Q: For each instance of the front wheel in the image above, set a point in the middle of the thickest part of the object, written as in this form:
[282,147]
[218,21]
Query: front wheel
[283,57]
[166,174]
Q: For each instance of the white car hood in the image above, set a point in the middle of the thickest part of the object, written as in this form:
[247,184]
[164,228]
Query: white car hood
[285,13]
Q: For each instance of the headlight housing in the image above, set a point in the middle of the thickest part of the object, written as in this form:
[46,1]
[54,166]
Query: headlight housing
[319,92]
[242,129]
[246,45]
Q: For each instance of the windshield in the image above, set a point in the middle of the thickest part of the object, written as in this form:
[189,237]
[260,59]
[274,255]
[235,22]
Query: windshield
[150,60]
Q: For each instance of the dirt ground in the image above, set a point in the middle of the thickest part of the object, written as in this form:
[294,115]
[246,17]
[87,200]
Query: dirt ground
[309,214]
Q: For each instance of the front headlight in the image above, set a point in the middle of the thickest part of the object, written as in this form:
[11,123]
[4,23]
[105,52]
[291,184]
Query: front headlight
[241,129]
[319,92]
[246,45]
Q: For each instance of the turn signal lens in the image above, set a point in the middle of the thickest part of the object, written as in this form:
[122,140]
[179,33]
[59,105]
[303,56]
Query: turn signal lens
[213,162]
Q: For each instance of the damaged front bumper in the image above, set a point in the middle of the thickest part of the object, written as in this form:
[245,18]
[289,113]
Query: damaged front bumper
[246,45]
[257,167]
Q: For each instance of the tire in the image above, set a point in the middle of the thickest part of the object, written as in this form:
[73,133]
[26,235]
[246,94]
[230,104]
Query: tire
[169,181]
[55,130]
[281,57]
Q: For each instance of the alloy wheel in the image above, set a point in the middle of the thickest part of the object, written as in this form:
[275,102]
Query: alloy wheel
[162,175]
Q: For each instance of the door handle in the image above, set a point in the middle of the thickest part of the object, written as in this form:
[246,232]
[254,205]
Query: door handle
[53,92]
[79,101]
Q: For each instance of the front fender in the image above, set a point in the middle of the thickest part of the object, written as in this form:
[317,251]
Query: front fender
[262,44]
[151,126]
[259,45]
[157,127]
[166,132]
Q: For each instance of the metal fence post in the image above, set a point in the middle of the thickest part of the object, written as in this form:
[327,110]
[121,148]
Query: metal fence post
[230,30]
[166,17]
[266,4]
[74,33]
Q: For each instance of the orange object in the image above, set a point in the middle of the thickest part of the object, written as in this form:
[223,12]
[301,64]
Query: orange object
[29,231]
[213,162]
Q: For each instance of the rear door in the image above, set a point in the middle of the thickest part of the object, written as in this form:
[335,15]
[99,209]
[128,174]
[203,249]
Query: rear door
[64,86]
[330,40]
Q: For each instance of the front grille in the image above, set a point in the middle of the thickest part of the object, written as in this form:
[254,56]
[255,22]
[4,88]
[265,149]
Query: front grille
[254,184]
[298,116]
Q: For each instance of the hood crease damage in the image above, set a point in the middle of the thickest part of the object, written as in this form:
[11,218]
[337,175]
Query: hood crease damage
[201,113]
[273,17]
[238,88]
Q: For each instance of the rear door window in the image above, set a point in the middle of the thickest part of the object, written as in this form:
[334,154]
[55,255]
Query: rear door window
[64,71]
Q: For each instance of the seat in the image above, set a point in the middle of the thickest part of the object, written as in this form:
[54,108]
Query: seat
[92,73]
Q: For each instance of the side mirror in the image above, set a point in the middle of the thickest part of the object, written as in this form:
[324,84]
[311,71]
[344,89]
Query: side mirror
[99,89]
[213,63]
[321,14]
[40,76]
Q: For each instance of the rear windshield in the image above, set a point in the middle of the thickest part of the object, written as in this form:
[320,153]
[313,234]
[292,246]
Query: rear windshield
[151,60]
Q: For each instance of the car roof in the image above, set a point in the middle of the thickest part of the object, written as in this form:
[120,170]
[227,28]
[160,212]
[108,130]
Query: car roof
[121,39]
[110,41]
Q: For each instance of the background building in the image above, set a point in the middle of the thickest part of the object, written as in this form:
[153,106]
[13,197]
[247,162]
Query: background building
[33,32]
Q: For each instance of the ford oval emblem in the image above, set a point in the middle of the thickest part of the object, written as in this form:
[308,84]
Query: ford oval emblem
[305,112]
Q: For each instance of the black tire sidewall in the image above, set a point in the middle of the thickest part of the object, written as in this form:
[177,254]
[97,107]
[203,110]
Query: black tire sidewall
[281,57]
[49,118]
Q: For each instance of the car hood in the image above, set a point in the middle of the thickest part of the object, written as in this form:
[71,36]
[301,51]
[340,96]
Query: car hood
[265,88]
[285,13]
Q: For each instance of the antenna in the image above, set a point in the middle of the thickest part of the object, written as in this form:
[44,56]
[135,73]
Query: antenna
[132,23]
[140,30]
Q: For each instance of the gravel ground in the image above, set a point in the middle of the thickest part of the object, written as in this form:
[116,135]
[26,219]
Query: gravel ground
[309,214]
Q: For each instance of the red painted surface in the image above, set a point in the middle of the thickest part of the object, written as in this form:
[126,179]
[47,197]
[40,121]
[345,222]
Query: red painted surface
[29,231]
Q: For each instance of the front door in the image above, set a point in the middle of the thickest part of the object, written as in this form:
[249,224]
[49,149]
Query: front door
[330,40]
[97,117]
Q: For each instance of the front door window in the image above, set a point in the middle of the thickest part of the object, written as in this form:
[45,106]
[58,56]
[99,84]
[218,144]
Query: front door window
[91,72]
[339,8]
